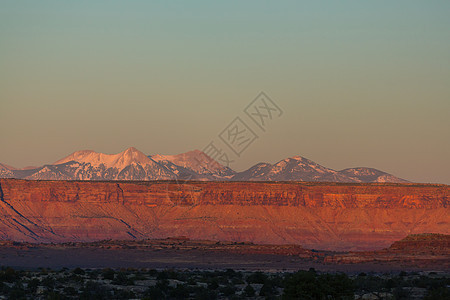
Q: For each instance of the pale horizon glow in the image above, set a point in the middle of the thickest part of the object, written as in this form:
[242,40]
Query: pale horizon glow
[361,84]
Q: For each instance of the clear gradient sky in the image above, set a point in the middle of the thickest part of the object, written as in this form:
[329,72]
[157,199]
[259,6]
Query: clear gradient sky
[361,83]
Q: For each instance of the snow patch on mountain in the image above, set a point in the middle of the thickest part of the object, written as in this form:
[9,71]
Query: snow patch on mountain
[132,164]
[119,160]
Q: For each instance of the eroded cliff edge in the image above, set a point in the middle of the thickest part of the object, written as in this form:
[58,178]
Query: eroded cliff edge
[316,215]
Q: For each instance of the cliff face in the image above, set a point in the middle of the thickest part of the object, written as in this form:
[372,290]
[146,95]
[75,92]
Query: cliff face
[423,243]
[315,215]
[428,249]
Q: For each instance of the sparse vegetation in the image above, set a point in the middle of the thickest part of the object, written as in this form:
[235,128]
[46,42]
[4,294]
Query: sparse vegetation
[229,284]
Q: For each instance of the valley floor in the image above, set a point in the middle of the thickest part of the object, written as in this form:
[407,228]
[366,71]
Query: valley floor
[205,255]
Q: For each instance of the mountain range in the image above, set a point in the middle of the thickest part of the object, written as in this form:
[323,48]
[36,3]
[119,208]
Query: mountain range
[132,164]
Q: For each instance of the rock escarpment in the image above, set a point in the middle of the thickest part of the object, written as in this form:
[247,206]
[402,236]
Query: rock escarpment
[418,249]
[332,216]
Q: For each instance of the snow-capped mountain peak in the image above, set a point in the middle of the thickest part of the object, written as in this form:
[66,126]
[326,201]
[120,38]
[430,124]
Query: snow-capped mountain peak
[297,157]
[132,164]
[120,160]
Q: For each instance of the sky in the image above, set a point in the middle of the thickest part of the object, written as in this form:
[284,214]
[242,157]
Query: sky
[360,83]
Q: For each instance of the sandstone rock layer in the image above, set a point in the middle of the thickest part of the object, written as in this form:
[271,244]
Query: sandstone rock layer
[428,249]
[333,216]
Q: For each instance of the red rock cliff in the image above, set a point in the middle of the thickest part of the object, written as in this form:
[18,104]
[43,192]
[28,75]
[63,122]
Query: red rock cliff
[316,215]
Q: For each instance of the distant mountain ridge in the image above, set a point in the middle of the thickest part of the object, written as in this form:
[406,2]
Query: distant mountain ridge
[133,164]
[194,165]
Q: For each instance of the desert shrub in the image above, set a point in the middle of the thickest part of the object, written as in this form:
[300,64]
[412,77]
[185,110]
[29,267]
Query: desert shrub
[122,279]
[94,290]
[17,291]
[276,280]
[237,280]
[9,275]
[124,294]
[191,281]
[33,284]
[54,296]
[168,274]
[257,277]
[227,290]
[213,284]
[162,275]
[440,293]
[76,278]
[401,293]
[309,285]
[249,291]
[139,276]
[374,283]
[154,292]
[205,294]
[48,282]
[432,283]
[181,291]
[403,274]
[108,274]
[78,271]
[70,291]
[268,289]
[94,274]
[230,272]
